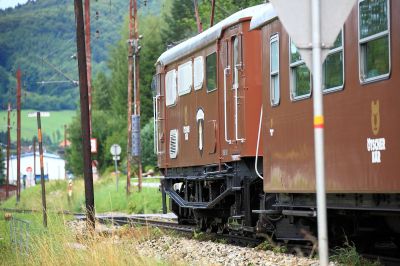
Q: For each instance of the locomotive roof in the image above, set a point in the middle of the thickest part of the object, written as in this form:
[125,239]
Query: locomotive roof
[210,35]
[265,15]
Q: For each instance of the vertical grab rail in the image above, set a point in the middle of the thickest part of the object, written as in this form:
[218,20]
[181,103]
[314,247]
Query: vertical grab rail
[236,88]
[226,71]
[155,123]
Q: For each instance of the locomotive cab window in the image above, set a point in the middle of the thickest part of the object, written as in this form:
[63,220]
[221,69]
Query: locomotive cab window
[198,72]
[170,87]
[300,77]
[236,62]
[211,72]
[185,80]
[374,40]
[333,67]
[274,70]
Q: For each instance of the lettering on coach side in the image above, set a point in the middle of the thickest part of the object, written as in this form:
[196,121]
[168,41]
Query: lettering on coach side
[375,146]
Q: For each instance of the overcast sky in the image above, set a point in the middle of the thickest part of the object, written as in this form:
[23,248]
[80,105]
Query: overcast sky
[11,3]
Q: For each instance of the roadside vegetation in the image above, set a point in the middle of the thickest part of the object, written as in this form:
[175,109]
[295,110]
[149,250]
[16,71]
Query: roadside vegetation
[107,198]
[61,244]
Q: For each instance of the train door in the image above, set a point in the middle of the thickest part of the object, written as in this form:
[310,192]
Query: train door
[159,119]
[233,91]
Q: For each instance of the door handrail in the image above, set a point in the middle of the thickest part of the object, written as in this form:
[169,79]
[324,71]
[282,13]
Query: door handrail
[226,72]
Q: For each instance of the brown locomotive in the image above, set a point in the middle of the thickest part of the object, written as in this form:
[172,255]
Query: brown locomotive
[233,105]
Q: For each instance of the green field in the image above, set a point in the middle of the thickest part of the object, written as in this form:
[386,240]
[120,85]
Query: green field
[53,126]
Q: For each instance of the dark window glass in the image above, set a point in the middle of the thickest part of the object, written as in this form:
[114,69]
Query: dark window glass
[333,66]
[301,80]
[300,75]
[374,39]
[211,72]
[373,17]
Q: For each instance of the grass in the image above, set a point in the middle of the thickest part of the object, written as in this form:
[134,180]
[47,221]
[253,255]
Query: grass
[50,125]
[348,255]
[107,199]
[59,245]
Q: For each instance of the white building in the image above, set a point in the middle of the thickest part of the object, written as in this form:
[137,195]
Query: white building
[54,166]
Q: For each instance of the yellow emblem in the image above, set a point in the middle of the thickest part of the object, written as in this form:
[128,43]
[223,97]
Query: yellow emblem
[375,117]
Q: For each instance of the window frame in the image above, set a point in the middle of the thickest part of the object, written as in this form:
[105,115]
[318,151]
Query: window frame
[331,52]
[184,65]
[274,38]
[200,86]
[216,71]
[174,71]
[365,40]
[294,98]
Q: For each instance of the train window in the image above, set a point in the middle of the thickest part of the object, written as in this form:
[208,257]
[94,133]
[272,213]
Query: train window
[300,77]
[374,40]
[235,56]
[333,67]
[198,73]
[211,72]
[274,69]
[170,87]
[185,78]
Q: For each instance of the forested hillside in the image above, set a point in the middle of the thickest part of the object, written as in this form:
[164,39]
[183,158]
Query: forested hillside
[39,37]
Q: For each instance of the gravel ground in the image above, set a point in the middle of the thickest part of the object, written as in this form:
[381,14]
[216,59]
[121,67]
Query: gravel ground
[180,250]
[193,252]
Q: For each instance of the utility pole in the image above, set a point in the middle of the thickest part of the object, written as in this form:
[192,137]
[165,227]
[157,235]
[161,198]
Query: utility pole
[212,13]
[34,159]
[85,124]
[88,59]
[198,20]
[8,149]
[137,93]
[65,150]
[18,134]
[42,183]
[130,63]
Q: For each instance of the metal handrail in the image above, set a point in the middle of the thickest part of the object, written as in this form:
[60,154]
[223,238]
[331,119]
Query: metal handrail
[236,88]
[226,71]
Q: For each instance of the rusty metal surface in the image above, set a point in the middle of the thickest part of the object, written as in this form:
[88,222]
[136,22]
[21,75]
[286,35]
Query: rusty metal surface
[361,124]
[182,115]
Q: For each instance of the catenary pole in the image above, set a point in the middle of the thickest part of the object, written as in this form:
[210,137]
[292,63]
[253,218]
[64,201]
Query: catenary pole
[198,20]
[18,134]
[65,151]
[88,59]
[136,84]
[34,158]
[212,13]
[42,183]
[8,148]
[319,133]
[85,125]
[130,72]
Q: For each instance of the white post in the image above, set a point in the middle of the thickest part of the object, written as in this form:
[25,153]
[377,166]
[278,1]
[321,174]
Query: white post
[319,133]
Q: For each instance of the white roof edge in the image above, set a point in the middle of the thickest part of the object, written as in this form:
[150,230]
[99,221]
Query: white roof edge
[208,36]
[267,14]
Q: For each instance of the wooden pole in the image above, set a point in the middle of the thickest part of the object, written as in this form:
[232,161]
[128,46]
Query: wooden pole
[8,149]
[212,13]
[65,151]
[198,20]
[85,125]
[88,59]
[42,183]
[34,159]
[136,83]
[130,71]
[18,134]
